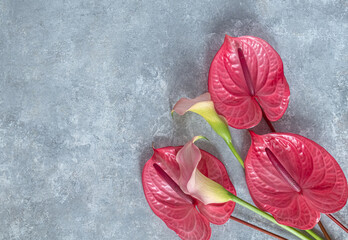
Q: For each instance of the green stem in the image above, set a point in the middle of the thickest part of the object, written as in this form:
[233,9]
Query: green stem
[310,232]
[270,218]
[235,153]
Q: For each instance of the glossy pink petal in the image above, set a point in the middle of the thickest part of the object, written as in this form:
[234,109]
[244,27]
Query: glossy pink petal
[311,180]
[178,214]
[245,74]
[176,211]
[166,159]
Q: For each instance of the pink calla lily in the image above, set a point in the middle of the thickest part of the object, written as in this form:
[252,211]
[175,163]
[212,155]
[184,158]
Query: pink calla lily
[203,106]
[182,187]
[294,179]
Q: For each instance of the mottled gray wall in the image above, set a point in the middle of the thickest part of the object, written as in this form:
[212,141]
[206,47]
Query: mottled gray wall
[87,86]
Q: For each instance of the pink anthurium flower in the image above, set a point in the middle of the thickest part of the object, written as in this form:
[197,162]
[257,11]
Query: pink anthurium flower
[246,77]
[294,179]
[182,187]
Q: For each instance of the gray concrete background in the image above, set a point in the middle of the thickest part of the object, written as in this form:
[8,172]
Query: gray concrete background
[87,86]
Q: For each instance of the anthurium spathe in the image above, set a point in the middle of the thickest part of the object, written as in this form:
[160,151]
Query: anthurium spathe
[182,183]
[294,179]
[246,77]
[203,106]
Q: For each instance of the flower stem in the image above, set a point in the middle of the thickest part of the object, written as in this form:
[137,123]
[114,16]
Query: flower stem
[337,222]
[257,228]
[322,228]
[315,236]
[235,153]
[268,121]
[270,218]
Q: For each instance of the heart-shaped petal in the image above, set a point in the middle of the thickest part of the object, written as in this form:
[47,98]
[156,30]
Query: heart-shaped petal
[179,213]
[306,180]
[245,76]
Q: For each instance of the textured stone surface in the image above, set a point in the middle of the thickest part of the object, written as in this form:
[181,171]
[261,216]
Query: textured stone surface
[86,87]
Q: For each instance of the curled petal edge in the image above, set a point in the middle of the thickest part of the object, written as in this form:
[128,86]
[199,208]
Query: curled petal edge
[193,182]
[203,106]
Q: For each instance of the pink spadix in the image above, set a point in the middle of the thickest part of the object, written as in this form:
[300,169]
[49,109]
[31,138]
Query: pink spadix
[172,184]
[280,168]
[246,72]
